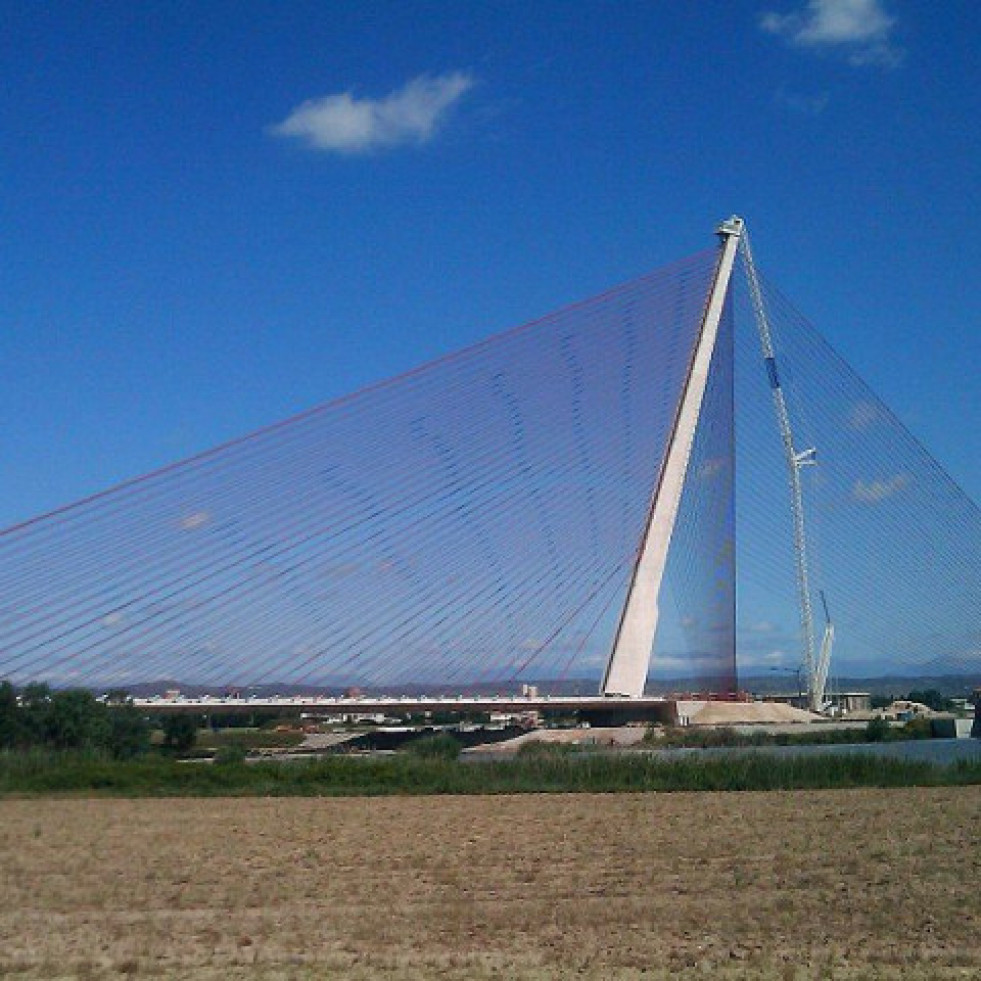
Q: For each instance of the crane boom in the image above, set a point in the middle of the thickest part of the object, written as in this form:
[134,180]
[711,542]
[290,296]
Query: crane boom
[824,655]
[795,462]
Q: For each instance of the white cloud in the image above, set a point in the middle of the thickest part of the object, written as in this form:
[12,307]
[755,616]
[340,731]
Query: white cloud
[862,29]
[773,659]
[196,520]
[687,665]
[806,105]
[344,123]
[878,490]
[864,415]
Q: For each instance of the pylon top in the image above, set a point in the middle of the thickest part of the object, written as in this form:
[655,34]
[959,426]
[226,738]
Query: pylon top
[732,226]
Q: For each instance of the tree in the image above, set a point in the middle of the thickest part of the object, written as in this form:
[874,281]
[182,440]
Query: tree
[932,698]
[918,729]
[10,722]
[877,730]
[129,732]
[75,720]
[35,707]
[180,731]
[70,719]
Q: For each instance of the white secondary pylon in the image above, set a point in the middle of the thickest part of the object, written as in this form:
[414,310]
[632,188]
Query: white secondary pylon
[627,665]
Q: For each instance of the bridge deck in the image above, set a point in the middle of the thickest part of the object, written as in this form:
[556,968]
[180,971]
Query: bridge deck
[586,706]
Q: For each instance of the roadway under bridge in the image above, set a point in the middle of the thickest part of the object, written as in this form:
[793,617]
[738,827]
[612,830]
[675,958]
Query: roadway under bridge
[595,710]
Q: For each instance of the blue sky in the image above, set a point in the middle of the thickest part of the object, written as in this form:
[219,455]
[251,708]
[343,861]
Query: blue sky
[217,214]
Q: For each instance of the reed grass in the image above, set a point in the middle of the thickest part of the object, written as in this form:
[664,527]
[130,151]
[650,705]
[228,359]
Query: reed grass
[42,773]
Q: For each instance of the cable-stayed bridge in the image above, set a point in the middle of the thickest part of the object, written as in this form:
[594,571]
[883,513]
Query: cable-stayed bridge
[677,481]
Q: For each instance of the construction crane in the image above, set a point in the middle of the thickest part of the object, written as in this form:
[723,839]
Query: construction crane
[824,656]
[815,667]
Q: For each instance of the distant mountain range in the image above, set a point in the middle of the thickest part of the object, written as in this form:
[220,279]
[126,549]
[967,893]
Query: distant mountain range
[952,686]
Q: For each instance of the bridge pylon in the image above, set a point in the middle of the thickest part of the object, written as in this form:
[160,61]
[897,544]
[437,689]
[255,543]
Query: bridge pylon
[629,660]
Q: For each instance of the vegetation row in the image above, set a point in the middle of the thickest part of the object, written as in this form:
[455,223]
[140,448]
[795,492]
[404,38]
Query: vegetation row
[876,730]
[435,771]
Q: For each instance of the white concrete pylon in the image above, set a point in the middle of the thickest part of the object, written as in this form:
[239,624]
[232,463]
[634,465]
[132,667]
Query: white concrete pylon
[629,660]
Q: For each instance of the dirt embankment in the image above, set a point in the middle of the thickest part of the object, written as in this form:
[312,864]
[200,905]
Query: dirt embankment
[743,713]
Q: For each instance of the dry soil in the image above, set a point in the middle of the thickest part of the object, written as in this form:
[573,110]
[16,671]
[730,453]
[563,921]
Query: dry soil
[843,884]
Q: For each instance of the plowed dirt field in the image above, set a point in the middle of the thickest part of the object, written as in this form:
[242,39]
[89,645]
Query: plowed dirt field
[838,884]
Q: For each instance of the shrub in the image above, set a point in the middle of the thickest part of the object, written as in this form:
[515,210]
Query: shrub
[877,731]
[438,746]
[230,755]
[128,732]
[180,731]
[10,722]
[917,729]
[705,737]
[539,748]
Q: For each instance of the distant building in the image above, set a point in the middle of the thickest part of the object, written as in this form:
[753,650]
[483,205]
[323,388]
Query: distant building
[847,702]
[796,699]
[903,710]
[842,703]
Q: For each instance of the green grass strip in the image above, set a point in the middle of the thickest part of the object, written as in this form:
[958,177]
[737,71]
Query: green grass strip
[41,773]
